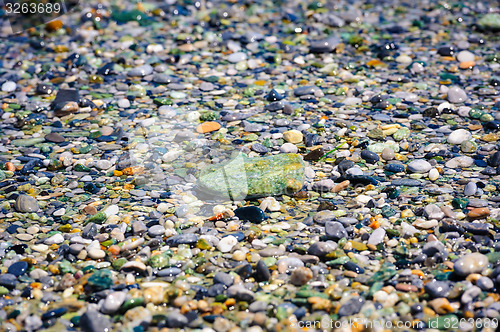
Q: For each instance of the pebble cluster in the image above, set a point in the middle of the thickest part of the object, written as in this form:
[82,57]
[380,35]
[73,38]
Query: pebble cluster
[367,187]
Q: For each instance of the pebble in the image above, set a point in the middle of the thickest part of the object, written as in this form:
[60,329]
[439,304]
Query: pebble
[293,136]
[376,237]
[9,86]
[458,136]
[388,154]
[301,276]
[470,263]
[419,166]
[456,95]
[25,203]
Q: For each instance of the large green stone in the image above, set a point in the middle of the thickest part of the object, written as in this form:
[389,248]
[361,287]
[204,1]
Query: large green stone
[244,177]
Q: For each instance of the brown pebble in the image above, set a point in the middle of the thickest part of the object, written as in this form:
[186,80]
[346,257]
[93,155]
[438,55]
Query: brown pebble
[301,276]
[314,155]
[341,186]
[478,213]
[90,210]
[406,288]
[54,138]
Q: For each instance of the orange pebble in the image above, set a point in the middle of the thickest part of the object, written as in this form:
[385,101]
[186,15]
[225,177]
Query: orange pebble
[114,250]
[10,166]
[207,127]
[133,170]
[54,25]
[117,173]
[478,213]
[467,64]
[375,224]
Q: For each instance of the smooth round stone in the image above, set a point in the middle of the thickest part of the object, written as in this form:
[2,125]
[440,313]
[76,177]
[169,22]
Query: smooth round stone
[465,56]
[54,239]
[103,164]
[394,167]
[237,57]
[59,212]
[156,230]
[289,148]
[227,243]
[18,268]
[388,154]
[169,272]
[437,288]
[25,203]
[259,148]
[262,272]
[54,138]
[471,263]
[419,166]
[369,156]
[377,236]
[9,86]
[113,302]
[112,210]
[335,230]
[433,174]
[463,161]
[354,171]
[456,95]
[8,280]
[301,276]
[223,278]
[123,103]
[293,136]
[485,283]
[162,207]
[468,146]
[95,253]
[54,313]
[250,213]
[470,189]
[458,136]
[141,71]
[324,185]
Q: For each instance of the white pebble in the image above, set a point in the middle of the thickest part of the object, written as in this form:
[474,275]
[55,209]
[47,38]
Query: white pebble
[465,56]
[227,243]
[9,86]
[124,103]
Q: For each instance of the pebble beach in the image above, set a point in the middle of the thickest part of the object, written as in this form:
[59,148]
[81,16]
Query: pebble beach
[252,166]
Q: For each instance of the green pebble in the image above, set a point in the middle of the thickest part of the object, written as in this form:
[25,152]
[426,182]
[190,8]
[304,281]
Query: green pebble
[117,264]
[475,114]
[81,168]
[97,218]
[160,261]
[66,267]
[3,291]
[460,203]
[100,279]
[388,211]
[486,117]
[401,134]
[132,303]
[28,142]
